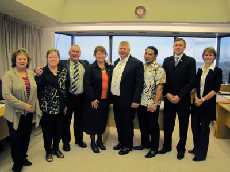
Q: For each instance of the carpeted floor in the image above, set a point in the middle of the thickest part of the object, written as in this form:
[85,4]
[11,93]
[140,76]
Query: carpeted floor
[83,160]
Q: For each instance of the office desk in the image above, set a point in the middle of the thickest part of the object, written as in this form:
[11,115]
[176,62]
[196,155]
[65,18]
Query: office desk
[222,128]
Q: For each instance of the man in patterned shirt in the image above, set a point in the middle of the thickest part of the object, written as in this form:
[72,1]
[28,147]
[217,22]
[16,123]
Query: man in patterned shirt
[148,112]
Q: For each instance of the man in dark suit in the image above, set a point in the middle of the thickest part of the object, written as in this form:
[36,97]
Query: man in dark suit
[76,70]
[180,76]
[126,87]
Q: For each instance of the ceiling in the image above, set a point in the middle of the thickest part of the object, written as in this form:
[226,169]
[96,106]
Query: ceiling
[46,13]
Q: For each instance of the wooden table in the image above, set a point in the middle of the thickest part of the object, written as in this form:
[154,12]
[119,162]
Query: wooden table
[222,128]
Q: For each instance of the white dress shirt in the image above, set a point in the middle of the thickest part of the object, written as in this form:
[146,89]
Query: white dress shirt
[203,77]
[117,74]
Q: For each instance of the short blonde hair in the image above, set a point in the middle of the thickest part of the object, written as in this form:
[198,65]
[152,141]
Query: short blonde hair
[125,43]
[209,50]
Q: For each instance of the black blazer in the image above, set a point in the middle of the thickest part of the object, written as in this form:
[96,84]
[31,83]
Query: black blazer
[180,80]
[132,82]
[93,81]
[213,82]
[66,64]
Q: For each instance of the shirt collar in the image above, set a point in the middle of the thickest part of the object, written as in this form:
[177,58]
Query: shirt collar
[125,59]
[211,67]
[179,56]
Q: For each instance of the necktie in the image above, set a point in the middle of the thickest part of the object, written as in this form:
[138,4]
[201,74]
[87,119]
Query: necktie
[176,61]
[75,78]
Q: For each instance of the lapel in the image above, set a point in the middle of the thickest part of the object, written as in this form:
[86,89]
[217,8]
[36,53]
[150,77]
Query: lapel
[208,77]
[181,61]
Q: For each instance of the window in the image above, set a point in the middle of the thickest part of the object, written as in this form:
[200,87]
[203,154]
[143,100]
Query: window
[63,43]
[195,47]
[224,60]
[139,43]
[88,44]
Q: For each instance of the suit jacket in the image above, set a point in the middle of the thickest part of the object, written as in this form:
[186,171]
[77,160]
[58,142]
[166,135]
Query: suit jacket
[180,79]
[93,81]
[213,82]
[132,82]
[66,63]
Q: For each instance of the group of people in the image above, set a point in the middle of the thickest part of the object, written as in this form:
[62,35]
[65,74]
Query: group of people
[50,95]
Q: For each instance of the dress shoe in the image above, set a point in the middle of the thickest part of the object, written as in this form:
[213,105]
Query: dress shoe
[117,147]
[192,151]
[151,154]
[66,147]
[81,144]
[180,155]
[59,154]
[94,148]
[124,151]
[164,150]
[139,147]
[27,163]
[101,146]
[198,159]
[17,168]
[49,157]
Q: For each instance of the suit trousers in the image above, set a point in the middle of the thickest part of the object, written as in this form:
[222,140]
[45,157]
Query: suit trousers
[74,105]
[182,109]
[124,117]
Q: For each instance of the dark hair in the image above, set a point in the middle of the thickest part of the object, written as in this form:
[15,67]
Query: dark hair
[180,39]
[52,50]
[101,49]
[209,50]
[155,50]
[18,52]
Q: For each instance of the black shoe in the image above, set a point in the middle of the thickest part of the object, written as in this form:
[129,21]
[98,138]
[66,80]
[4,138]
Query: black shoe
[49,157]
[180,155]
[192,151]
[164,150]
[27,163]
[198,159]
[124,151]
[81,144]
[59,154]
[151,154]
[17,168]
[66,147]
[117,147]
[140,147]
[94,148]
[101,146]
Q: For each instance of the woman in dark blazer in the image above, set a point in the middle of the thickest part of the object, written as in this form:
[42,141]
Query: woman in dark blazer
[208,82]
[97,92]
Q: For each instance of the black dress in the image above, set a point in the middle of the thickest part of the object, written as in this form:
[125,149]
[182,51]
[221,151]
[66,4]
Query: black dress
[94,120]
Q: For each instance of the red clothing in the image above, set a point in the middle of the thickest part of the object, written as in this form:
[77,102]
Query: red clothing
[105,84]
[27,85]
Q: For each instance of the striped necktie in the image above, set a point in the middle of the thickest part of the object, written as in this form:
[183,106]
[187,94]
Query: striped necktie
[176,60]
[75,78]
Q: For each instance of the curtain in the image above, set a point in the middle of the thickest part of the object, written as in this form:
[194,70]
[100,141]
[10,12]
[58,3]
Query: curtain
[15,34]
